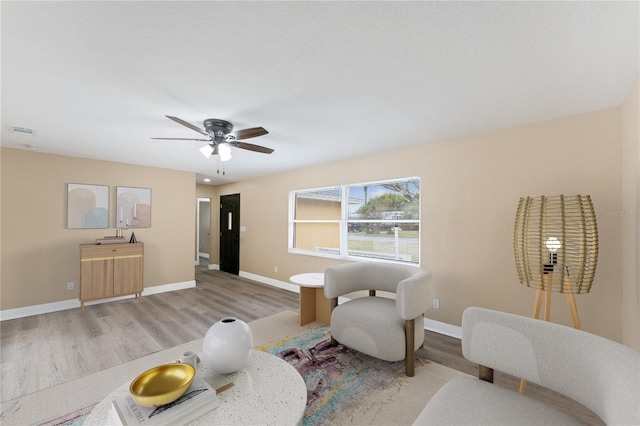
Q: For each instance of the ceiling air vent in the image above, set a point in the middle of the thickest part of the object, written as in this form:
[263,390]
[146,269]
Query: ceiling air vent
[22,130]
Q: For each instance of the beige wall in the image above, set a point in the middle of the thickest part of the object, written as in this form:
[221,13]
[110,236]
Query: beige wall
[630,217]
[39,255]
[470,191]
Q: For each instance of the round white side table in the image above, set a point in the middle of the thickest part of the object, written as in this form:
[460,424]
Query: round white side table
[313,305]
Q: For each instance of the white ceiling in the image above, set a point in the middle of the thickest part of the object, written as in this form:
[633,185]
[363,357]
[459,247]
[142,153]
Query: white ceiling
[328,80]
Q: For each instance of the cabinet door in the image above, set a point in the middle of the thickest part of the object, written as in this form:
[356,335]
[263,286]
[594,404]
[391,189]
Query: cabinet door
[97,278]
[127,274]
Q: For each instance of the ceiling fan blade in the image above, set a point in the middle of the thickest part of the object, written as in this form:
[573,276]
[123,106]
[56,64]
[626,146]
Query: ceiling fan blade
[249,133]
[252,147]
[184,139]
[189,125]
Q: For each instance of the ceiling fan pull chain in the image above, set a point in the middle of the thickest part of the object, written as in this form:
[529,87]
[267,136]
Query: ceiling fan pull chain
[218,171]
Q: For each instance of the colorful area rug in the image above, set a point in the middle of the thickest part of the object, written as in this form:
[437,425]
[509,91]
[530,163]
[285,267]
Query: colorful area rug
[348,387]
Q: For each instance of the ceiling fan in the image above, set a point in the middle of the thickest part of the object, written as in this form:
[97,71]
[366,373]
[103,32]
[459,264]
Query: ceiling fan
[221,137]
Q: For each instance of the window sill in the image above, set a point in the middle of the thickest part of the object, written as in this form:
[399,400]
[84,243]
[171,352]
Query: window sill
[350,258]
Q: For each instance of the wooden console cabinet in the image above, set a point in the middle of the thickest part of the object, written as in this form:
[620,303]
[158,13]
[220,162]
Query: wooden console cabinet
[111,270]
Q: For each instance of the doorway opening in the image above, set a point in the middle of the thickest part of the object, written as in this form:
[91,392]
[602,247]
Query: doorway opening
[203,231]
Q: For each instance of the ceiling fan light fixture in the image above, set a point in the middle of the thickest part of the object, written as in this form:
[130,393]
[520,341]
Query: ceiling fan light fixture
[225,152]
[207,150]
[221,137]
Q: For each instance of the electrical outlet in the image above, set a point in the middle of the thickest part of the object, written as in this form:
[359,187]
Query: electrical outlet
[436,303]
[70,285]
[275,269]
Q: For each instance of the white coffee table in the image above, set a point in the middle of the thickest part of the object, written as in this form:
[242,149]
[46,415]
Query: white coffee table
[313,305]
[269,391]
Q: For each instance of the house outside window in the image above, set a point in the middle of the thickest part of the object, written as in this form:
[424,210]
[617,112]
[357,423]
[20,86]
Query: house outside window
[375,220]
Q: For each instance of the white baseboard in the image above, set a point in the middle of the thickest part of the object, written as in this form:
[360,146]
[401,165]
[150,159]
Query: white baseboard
[429,324]
[213,267]
[27,311]
[156,289]
[443,328]
[270,281]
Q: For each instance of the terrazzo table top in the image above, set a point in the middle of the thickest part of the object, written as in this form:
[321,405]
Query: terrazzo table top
[268,391]
[310,279]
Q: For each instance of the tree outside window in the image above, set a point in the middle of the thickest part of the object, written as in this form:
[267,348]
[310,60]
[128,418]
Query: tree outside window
[381,220]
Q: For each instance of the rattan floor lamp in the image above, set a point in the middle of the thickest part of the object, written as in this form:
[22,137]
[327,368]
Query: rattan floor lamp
[555,243]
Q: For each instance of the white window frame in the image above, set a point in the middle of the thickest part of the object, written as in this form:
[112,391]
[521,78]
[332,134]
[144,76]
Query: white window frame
[344,220]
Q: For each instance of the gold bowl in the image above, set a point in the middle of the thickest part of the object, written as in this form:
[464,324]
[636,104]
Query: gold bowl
[163,384]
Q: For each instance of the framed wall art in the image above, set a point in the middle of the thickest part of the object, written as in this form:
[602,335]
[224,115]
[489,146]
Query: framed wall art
[87,206]
[133,207]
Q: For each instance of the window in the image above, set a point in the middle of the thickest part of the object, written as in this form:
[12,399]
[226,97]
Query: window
[377,220]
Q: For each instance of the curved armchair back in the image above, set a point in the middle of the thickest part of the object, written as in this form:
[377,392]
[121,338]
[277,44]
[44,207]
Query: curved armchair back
[602,375]
[411,284]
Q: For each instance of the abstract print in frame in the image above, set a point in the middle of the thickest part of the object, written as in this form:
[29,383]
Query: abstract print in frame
[87,206]
[133,207]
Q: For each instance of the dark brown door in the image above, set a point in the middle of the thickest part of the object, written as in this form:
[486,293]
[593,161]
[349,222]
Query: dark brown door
[230,233]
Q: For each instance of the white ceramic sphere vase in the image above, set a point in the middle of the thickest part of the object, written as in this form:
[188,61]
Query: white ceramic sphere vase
[227,346]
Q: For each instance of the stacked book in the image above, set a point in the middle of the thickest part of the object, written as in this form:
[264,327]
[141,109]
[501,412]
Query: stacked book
[110,240]
[197,401]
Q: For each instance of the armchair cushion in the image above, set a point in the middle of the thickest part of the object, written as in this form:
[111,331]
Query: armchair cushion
[370,325]
[488,404]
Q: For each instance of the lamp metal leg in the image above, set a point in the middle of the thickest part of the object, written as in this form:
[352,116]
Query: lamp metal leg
[547,287]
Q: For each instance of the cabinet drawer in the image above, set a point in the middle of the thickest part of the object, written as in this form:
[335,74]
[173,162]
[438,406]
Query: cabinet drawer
[126,251]
[94,252]
[102,251]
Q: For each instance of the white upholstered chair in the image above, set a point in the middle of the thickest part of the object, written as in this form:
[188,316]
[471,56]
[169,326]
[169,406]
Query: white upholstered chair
[600,374]
[388,329]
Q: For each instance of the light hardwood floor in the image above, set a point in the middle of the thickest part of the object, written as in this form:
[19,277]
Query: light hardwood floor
[44,350]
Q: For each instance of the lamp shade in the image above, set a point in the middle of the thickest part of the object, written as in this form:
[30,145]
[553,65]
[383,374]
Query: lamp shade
[225,152]
[555,243]
[207,150]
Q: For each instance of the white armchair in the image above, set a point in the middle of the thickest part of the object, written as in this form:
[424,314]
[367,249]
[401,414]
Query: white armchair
[381,327]
[600,374]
